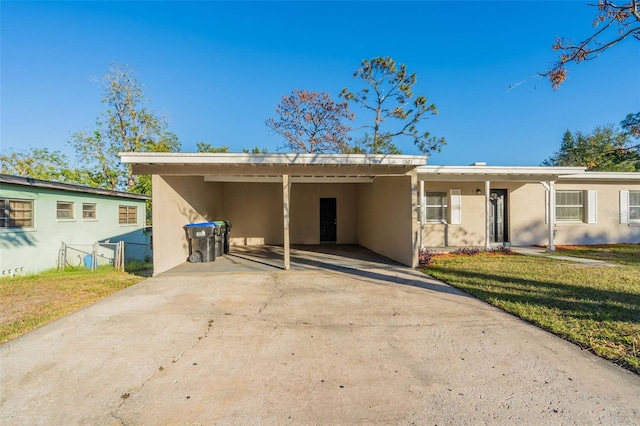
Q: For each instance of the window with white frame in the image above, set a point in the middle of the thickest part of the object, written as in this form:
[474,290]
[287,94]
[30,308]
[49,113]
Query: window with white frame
[634,206]
[570,206]
[88,211]
[16,213]
[64,210]
[127,215]
[436,206]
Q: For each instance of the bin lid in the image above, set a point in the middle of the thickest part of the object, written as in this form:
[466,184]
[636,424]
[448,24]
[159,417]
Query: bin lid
[211,224]
[220,223]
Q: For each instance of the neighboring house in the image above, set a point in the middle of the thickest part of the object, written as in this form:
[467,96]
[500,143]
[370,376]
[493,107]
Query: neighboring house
[37,216]
[391,204]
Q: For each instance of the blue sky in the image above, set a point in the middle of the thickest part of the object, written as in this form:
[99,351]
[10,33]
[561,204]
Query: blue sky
[218,69]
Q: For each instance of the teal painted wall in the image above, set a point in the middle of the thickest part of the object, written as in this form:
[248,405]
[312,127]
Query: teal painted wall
[26,250]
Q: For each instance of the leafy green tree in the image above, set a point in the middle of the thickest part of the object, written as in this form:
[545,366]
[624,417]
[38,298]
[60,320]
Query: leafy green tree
[365,145]
[388,96]
[613,23]
[207,147]
[126,125]
[605,149]
[312,122]
[254,150]
[41,163]
[631,124]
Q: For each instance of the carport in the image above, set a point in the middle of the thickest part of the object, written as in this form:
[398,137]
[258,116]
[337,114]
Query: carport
[284,199]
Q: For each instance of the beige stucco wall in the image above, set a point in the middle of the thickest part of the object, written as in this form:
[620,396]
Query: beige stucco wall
[305,211]
[608,228]
[382,216]
[255,211]
[387,218]
[471,231]
[527,214]
[177,201]
[527,210]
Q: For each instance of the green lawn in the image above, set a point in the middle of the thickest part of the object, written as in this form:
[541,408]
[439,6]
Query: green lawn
[31,301]
[597,308]
[624,254]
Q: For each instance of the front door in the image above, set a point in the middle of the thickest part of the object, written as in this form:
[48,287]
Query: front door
[498,216]
[328,220]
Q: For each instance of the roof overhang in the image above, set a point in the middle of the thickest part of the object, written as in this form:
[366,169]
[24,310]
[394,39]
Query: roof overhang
[232,167]
[633,177]
[495,173]
[45,184]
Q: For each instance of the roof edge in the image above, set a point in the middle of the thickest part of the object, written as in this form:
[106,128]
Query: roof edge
[272,159]
[39,183]
[603,176]
[498,170]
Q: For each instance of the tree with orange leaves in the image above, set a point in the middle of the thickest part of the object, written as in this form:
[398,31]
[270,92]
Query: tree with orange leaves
[624,17]
[312,122]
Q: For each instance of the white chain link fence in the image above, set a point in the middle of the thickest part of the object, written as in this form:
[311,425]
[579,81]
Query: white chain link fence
[92,256]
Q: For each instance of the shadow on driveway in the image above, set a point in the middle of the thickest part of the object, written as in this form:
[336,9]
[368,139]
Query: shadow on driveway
[349,259]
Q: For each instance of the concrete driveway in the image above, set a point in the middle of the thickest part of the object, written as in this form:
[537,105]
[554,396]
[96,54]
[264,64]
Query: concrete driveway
[370,343]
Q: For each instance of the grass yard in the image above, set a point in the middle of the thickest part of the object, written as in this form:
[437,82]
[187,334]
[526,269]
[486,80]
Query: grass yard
[624,254]
[597,308]
[31,301]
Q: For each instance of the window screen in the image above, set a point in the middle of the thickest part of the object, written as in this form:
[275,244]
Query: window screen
[569,206]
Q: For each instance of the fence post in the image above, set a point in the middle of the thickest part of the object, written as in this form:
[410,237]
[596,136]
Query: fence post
[60,257]
[94,257]
[122,256]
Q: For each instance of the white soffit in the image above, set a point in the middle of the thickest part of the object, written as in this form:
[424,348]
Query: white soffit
[489,173]
[292,179]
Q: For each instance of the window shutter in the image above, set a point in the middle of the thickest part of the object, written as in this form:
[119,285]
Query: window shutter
[624,206]
[456,207]
[592,206]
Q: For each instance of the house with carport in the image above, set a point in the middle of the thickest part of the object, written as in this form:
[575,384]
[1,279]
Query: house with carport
[390,204]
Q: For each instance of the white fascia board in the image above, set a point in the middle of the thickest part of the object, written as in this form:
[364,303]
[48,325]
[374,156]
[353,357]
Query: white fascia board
[603,176]
[515,173]
[270,159]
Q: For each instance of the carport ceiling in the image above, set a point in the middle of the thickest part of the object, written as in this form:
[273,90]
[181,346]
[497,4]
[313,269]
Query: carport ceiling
[271,167]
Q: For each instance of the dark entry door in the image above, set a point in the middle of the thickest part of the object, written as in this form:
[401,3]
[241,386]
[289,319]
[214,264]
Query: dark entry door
[328,220]
[498,216]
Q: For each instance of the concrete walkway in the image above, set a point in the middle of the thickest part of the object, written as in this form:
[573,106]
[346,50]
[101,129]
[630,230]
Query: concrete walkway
[542,252]
[382,344]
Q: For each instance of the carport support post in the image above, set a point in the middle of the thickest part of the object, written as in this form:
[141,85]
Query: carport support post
[552,214]
[487,214]
[422,212]
[286,190]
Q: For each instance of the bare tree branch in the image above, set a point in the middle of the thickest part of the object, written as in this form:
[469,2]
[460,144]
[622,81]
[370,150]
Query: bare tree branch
[610,15]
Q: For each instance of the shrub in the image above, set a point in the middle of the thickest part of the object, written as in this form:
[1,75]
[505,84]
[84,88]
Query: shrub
[501,249]
[472,251]
[469,251]
[425,256]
